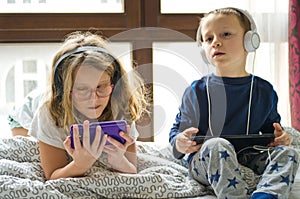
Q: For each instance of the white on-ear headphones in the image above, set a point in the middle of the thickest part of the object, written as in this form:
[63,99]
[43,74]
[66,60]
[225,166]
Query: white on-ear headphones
[251,37]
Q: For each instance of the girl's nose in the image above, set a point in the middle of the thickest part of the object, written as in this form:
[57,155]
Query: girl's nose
[94,94]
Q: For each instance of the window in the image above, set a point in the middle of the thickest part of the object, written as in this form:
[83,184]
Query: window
[25,68]
[171,49]
[176,65]
[61,6]
[201,6]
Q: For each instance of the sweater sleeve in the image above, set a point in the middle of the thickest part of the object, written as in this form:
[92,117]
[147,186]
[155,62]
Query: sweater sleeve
[274,116]
[187,117]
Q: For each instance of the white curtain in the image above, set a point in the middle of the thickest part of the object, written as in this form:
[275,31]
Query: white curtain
[271,62]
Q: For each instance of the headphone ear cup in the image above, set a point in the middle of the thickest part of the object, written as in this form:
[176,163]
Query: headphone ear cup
[203,55]
[251,41]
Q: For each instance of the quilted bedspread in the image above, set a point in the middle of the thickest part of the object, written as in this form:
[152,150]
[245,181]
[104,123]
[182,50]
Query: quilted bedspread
[159,176]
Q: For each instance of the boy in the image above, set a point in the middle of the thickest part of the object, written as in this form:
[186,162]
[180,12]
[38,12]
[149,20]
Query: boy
[232,102]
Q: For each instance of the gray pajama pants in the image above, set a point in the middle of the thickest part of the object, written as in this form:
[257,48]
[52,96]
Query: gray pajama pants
[216,164]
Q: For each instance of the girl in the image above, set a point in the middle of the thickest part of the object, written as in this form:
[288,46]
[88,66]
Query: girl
[88,84]
[232,102]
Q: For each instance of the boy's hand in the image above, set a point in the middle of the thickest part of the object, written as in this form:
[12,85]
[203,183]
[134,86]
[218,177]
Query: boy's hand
[281,137]
[184,144]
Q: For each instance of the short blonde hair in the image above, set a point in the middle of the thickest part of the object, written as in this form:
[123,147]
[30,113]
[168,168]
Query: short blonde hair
[242,18]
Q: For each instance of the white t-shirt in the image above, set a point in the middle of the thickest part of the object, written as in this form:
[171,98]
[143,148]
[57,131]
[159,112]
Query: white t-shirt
[44,129]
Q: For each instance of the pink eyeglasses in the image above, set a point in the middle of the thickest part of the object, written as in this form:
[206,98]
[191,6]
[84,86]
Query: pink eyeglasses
[85,93]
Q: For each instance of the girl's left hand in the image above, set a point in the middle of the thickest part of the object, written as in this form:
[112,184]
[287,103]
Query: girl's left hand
[116,151]
[281,137]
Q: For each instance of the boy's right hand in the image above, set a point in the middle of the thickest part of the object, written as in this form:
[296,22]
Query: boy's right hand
[184,144]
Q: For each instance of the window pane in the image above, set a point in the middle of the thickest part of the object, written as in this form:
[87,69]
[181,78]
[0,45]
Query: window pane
[175,66]
[122,51]
[29,66]
[203,6]
[25,68]
[61,6]
[29,85]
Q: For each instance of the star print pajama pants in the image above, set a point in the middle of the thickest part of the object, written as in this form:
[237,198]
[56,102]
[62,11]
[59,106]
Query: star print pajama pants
[216,164]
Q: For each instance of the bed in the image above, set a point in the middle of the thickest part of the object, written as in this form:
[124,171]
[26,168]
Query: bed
[159,176]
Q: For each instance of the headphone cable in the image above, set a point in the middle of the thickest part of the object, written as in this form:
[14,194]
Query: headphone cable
[250,96]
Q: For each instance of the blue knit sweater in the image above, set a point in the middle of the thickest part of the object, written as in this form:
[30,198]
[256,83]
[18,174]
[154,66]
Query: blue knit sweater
[229,101]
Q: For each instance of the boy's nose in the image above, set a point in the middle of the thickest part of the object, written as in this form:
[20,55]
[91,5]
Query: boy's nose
[216,42]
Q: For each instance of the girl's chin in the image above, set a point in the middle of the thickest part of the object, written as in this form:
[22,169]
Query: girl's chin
[93,116]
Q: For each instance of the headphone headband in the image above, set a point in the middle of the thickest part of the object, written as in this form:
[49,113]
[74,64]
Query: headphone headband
[249,17]
[59,86]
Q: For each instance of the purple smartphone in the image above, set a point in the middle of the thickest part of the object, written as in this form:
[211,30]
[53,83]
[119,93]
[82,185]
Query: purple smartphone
[111,128]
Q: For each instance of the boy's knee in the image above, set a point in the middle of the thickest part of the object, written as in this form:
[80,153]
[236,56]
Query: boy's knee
[216,143]
[287,150]
[292,152]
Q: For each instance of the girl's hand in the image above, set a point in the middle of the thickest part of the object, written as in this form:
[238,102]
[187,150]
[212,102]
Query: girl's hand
[281,137]
[84,155]
[184,144]
[117,153]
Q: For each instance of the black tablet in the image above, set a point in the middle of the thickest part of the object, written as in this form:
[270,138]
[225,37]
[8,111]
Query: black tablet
[241,141]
